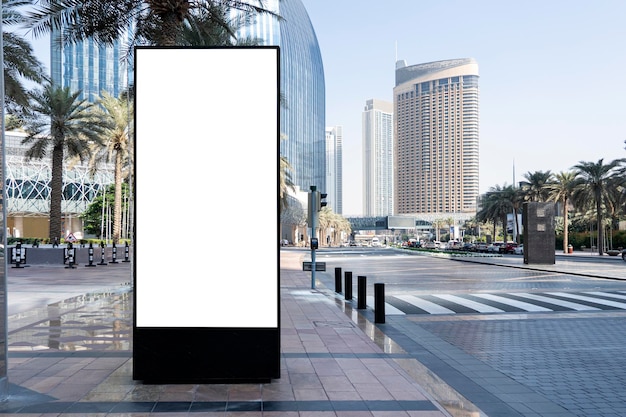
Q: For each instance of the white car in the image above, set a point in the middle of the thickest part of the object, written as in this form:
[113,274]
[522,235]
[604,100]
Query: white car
[519,249]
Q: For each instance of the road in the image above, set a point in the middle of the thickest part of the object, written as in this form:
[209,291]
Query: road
[511,341]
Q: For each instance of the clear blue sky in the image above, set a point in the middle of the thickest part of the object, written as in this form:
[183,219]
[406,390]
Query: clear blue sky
[552,75]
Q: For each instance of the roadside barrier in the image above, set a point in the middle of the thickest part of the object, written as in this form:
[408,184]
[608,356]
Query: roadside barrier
[18,256]
[338,280]
[69,254]
[362,292]
[379,302]
[114,255]
[102,246]
[379,293]
[126,253]
[90,251]
[348,285]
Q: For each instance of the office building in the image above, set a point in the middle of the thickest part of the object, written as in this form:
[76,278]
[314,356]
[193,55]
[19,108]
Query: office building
[436,110]
[378,164]
[302,85]
[90,68]
[334,161]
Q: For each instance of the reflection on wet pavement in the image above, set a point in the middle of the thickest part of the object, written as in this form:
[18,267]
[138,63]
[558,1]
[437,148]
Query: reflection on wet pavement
[97,321]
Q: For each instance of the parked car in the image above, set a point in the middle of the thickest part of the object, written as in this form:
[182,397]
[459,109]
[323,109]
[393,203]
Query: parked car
[469,247]
[519,249]
[508,247]
[494,247]
[481,247]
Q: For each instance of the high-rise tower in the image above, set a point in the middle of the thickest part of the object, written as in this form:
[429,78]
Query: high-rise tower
[378,164]
[436,137]
[302,118]
[334,170]
[88,67]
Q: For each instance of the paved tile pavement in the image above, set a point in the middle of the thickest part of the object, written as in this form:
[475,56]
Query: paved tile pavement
[70,353]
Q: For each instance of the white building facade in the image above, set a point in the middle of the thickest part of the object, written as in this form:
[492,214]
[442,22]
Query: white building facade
[378,164]
[436,109]
[334,163]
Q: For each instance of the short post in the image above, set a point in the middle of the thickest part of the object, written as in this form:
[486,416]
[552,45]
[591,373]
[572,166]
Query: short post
[337,279]
[379,302]
[361,291]
[126,253]
[69,255]
[90,252]
[18,256]
[102,246]
[348,291]
[114,254]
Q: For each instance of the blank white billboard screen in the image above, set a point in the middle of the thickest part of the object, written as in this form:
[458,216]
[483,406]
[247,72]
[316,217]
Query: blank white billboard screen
[206,194]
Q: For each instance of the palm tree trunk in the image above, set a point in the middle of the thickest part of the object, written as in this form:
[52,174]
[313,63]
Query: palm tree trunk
[599,219]
[56,192]
[117,209]
[565,227]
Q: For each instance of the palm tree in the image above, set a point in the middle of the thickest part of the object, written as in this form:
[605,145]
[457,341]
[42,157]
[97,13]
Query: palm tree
[118,112]
[60,123]
[593,185]
[535,188]
[497,203]
[560,190]
[155,22]
[20,62]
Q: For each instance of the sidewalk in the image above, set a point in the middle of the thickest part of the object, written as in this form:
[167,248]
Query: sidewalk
[74,357]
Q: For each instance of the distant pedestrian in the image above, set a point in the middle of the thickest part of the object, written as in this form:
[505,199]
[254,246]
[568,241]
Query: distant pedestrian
[55,242]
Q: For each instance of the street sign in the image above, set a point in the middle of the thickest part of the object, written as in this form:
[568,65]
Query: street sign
[319,266]
[71,238]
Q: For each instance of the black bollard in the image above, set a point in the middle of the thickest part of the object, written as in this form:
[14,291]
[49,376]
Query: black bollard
[379,302]
[348,291]
[113,254]
[18,255]
[69,256]
[90,252]
[361,291]
[337,279]
[126,253]
[102,246]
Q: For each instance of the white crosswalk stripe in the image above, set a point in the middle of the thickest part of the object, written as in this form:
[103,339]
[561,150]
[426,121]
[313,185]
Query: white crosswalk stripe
[506,302]
[481,308]
[556,301]
[515,303]
[425,305]
[590,299]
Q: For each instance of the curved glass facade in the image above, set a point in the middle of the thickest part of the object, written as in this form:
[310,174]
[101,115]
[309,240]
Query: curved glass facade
[303,88]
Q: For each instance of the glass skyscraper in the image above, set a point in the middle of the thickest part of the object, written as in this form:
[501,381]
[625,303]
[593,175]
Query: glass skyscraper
[436,108]
[302,86]
[88,67]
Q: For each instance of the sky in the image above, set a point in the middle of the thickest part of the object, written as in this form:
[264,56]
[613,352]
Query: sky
[552,76]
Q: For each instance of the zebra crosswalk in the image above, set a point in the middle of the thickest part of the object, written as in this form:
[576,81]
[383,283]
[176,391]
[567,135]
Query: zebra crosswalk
[518,302]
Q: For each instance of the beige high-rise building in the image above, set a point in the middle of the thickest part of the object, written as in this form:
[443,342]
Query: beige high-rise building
[436,138]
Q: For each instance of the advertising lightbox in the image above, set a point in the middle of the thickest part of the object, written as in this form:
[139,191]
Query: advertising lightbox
[206,259]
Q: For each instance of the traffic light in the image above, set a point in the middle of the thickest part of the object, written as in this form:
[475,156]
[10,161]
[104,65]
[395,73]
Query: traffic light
[320,203]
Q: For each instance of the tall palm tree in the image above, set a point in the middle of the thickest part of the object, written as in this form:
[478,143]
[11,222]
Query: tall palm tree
[20,63]
[62,125]
[560,190]
[155,22]
[535,188]
[594,183]
[118,112]
[497,203]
